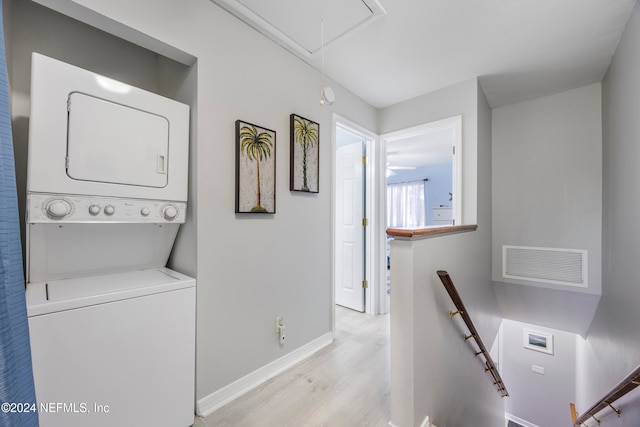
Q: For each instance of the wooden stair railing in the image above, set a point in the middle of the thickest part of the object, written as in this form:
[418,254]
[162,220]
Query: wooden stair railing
[473,333]
[625,386]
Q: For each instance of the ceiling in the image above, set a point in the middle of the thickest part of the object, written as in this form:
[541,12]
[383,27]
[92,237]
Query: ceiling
[388,51]
[426,149]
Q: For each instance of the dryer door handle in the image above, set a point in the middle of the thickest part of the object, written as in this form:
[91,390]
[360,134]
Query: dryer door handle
[162,164]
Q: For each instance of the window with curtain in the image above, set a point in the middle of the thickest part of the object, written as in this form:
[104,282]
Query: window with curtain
[406,205]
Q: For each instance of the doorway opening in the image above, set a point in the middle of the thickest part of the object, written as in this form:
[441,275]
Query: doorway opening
[422,185]
[354,283]
[362,211]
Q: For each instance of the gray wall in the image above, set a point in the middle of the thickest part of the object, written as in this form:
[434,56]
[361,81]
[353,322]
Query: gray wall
[180,83]
[236,305]
[250,269]
[539,399]
[547,163]
[612,347]
[434,372]
[435,106]
[547,186]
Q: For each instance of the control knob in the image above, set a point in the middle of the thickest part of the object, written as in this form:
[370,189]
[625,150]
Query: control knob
[58,208]
[170,212]
[94,209]
[109,210]
[145,211]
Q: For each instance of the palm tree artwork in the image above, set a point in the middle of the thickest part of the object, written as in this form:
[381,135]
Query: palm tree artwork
[255,146]
[305,136]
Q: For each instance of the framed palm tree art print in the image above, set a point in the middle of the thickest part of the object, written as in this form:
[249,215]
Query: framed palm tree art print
[305,155]
[255,169]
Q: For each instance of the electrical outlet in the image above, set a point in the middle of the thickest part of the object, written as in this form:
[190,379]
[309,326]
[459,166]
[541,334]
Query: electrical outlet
[537,369]
[280,329]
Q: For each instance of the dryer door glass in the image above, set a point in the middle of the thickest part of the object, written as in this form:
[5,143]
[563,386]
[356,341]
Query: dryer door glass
[113,143]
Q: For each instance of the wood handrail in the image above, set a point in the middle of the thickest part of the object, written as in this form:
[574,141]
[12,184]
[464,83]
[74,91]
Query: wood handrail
[473,333]
[432,231]
[625,386]
[574,414]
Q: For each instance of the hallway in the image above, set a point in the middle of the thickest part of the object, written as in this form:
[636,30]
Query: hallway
[344,384]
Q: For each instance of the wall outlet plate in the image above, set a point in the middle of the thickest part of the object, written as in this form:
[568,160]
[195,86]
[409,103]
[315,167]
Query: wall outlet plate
[537,369]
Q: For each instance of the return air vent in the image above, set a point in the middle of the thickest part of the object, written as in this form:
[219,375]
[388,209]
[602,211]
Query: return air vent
[548,265]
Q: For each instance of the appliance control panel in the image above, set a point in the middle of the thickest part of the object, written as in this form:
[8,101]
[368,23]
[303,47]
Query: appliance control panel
[70,208]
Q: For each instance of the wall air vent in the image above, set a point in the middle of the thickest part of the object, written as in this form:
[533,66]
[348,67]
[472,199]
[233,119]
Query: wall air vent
[548,265]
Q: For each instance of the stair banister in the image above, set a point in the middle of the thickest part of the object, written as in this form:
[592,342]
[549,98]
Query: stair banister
[473,333]
[629,383]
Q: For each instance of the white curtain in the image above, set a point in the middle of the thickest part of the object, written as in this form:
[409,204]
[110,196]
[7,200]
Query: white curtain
[405,205]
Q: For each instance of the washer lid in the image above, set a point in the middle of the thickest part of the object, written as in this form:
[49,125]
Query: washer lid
[112,143]
[66,294]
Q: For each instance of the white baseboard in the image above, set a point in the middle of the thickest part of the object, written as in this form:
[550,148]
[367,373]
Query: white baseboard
[518,420]
[425,423]
[219,398]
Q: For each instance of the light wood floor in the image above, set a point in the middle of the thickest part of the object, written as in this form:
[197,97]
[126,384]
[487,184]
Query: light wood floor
[344,384]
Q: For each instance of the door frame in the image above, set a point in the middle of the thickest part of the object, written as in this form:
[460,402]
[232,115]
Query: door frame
[372,244]
[453,122]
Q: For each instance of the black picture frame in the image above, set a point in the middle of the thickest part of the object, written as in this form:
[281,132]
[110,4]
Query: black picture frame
[255,168]
[305,155]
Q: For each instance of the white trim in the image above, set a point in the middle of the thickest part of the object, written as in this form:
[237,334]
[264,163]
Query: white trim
[520,421]
[548,340]
[425,423]
[457,170]
[332,225]
[455,123]
[94,18]
[500,346]
[261,25]
[207,405]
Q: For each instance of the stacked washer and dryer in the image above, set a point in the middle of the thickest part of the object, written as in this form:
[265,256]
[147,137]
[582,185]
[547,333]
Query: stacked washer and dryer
[112,329]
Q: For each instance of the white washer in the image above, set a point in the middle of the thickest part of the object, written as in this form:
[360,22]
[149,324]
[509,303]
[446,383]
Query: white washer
[114,350]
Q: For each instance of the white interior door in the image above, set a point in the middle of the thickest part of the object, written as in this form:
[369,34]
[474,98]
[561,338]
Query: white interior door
[349,250]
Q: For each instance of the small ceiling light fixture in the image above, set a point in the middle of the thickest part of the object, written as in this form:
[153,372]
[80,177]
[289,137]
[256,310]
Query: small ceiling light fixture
[327,96]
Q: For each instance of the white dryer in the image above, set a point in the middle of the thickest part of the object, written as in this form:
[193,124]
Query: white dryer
[92,135]
[112,329]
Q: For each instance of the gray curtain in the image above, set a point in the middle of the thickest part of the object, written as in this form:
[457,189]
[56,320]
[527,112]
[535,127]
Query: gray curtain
[17,395]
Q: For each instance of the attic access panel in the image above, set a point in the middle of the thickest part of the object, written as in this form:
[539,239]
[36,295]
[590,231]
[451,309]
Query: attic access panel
[116,144]
[297,23]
